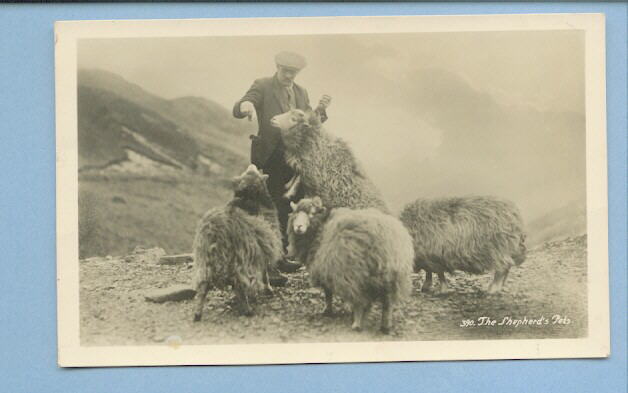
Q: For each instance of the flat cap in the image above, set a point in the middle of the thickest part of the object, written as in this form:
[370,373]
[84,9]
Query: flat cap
[290,60]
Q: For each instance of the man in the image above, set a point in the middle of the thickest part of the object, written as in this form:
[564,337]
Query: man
[266,98]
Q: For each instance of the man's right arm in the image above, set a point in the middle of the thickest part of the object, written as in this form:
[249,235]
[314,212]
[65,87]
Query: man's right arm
[253,95]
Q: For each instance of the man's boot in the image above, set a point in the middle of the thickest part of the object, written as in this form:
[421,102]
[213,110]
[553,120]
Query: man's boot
[287,266]
[276,279]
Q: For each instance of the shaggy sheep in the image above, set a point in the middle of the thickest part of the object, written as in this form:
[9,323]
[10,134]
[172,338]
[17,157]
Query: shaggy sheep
[472,234]
[363,256]
[324,165]
[237,244]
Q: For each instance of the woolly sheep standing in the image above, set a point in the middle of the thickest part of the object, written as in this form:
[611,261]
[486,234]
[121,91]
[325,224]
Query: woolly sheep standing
[324,165]
[472,234]
[237,244]
[363,256]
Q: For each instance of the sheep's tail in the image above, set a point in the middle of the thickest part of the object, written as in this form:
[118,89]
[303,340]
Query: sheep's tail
[521,255]
[203,254]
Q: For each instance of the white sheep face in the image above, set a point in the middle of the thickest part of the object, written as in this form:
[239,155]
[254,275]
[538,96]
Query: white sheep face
[288,120]
[301,222]
[303,213]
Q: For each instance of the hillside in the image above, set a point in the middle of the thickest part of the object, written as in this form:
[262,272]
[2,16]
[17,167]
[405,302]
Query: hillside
[149,167]
[108,125]
[568,220]
[201,119]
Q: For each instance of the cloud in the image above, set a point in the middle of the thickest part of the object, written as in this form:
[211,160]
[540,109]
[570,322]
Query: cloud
[534,157]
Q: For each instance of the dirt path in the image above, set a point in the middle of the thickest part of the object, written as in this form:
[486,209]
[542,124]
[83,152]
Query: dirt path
[552,282]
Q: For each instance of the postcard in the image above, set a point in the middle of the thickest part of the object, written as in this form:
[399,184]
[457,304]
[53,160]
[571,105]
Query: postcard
[331,189]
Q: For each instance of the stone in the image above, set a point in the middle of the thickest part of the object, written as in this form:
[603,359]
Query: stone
[138,250]
[148,255]
[313,291]
[175,293]
[92,259]
[179,259]
[118,199]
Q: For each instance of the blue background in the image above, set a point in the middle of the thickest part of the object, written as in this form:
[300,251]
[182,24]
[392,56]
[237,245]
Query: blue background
[27,227]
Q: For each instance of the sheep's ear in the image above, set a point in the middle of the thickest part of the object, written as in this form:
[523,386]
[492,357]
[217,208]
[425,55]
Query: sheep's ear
[317,201]
[301,117]
[322,210]
[264,177]
[314,119]
[293,206]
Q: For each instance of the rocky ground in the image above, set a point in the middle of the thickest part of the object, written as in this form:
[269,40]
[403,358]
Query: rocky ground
[550,286]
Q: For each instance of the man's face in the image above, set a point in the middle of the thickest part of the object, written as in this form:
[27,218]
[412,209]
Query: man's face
[286,75]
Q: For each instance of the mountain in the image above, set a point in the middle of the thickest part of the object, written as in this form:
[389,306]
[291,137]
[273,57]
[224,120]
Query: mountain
[567,221]
[119,121]
[150,167]
[108,126]
[199,114]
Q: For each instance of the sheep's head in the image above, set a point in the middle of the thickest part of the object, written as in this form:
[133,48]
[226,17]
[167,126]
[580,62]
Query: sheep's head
[252,182]
[296,119]
[305,214]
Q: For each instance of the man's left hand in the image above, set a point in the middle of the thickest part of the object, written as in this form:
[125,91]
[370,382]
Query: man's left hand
[324,102]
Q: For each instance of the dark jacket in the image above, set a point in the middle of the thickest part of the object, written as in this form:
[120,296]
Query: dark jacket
[266,96]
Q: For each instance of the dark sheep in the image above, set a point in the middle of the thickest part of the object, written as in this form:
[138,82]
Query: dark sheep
[236,245]
[324,165]
[472,234]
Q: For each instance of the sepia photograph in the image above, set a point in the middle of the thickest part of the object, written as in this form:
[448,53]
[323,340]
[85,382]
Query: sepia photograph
[341,189]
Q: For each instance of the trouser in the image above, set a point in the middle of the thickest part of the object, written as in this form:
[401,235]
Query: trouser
[279,173]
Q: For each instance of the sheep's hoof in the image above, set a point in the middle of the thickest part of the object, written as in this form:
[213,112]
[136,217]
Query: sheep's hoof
[442,292]
[356,328]
[385,329]
[197,317]
[245,309]
[426,289]
[328,312]
[493,290]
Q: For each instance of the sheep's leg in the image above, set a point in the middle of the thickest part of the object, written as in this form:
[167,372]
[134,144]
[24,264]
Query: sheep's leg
[267,287]
[386,314]
[203,288]
[427,285]
[292,186]
[358,315]
[245,305]
[329,309]
[498,281]
[442,280]
[504,277]
[248,311]
[242,298]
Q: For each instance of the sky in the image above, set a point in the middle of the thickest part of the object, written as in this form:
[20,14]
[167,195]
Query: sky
[427,114]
